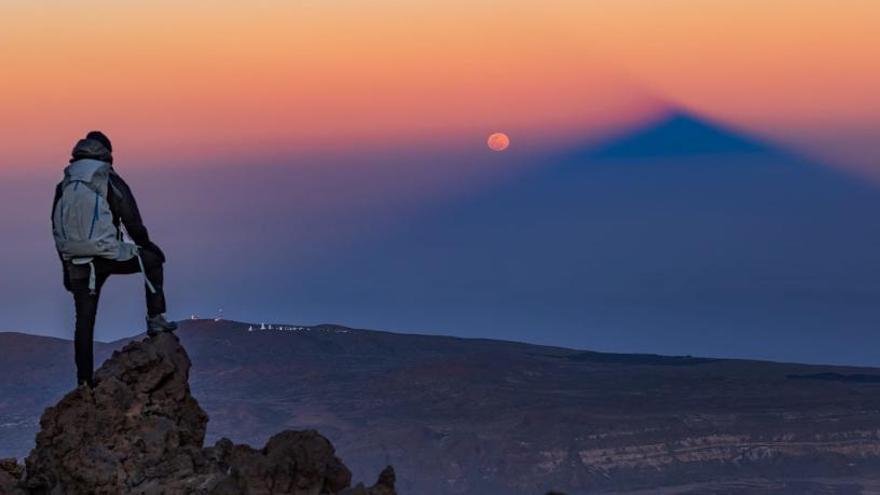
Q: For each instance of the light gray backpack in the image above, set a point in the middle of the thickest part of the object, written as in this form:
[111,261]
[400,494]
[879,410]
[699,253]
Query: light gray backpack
[83,223]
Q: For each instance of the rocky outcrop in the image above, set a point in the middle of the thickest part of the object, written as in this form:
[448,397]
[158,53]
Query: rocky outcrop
[10,477]
[140,431]
[291,462]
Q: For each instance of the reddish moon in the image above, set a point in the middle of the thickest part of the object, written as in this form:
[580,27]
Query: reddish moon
[498,141]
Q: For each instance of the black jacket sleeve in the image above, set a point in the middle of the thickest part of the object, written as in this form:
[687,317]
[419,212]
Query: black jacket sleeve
[125,211]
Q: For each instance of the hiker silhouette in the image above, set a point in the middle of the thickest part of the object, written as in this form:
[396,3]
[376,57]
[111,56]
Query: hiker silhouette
[99,232]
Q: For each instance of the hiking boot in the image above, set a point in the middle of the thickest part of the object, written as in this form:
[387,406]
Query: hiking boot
[158,324]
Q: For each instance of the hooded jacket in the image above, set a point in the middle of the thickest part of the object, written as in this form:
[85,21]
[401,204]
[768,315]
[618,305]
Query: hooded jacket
[119,196]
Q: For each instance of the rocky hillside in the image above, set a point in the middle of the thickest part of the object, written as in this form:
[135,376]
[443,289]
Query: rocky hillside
[473,416]
[140,431]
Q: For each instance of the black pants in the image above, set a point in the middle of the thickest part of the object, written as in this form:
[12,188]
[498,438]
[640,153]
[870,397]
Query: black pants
[86,301]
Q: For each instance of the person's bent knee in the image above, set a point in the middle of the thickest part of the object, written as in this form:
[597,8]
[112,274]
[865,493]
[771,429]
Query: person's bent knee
[150,259]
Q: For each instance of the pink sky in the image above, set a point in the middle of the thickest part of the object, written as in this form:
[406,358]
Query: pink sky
[197,79]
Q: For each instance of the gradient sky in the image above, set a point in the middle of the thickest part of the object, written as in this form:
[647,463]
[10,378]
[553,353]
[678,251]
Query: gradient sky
[354,116]
[193,76]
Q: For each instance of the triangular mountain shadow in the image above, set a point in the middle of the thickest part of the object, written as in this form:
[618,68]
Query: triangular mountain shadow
[679,133]
[677,224]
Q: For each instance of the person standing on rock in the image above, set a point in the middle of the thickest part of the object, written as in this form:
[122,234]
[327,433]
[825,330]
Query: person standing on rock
[99,232]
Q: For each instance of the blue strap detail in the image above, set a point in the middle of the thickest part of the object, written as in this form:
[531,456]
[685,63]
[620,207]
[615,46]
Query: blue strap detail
[95,216]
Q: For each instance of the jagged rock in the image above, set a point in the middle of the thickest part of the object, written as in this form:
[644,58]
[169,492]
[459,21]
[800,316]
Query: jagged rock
[384,486]
[291,462]
[138,424]
[140,431]
[10,476]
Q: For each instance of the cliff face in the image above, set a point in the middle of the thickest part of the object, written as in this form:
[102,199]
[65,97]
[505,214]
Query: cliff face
[140,431]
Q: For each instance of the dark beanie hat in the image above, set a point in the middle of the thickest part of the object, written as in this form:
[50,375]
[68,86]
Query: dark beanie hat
[101,138]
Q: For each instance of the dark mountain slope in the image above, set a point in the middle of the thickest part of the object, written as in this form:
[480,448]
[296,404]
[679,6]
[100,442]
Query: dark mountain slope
[36,372]
[480,416]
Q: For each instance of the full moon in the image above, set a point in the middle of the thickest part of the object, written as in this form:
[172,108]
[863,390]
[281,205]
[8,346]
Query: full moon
[498,141]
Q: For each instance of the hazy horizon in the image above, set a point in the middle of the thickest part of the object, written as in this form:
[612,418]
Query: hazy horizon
[297,280]
[327,162]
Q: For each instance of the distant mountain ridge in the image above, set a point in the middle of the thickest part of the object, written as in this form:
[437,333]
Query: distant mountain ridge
[461,416]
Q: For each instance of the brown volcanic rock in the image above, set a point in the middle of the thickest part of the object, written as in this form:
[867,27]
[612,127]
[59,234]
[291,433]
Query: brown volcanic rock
[384,486]
[138,424]
[10,476]
[291,462]
[140,431]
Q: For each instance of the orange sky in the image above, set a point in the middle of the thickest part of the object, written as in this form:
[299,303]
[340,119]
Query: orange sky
[196,75]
